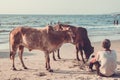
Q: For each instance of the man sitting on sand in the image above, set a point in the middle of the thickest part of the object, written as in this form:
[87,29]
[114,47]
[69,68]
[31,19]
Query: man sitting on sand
[105,61]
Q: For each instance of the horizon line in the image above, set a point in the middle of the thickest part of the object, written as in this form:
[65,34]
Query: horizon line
[50,14]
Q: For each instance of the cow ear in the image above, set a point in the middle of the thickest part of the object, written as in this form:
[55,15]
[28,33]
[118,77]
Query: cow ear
[60,27]
[68,28]
[49,28]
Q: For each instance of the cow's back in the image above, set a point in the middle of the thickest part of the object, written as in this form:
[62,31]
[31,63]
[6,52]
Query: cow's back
[28,37]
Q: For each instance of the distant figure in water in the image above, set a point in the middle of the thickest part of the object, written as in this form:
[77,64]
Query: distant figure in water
[116,22]
[105,60]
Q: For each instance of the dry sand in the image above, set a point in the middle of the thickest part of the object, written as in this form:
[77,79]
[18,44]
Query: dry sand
[65,69]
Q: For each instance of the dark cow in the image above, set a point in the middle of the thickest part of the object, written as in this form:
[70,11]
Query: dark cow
[45,39]
[81,40]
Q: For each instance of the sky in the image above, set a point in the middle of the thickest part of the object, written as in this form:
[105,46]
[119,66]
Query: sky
[59,6]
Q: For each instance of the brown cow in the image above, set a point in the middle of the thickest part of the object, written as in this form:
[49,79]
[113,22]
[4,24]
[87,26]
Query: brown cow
[81,40]
[44,39]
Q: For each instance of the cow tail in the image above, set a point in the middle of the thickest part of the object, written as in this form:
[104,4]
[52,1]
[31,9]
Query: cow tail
[11,53]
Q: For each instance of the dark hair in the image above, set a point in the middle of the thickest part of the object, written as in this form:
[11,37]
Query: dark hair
[106,43]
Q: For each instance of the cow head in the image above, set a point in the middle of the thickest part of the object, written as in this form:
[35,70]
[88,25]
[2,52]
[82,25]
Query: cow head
[63,27]
[70,33]
[88,50]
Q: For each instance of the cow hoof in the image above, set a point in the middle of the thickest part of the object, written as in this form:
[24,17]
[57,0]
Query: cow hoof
[84,62]
[14,69]
[54,59]
[50,70]
[78,59]
[59,58]
[25,68]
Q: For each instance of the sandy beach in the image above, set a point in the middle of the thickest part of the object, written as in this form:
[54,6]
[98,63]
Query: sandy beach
[66,68]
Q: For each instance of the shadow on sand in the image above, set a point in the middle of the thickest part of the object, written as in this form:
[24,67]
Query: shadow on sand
[72,72]
[117,74]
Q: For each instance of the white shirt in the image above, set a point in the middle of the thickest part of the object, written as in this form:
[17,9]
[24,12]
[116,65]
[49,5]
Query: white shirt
[107,61]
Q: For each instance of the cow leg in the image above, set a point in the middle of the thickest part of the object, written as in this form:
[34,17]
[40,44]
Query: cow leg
[77,56]
[82,55]
[21,48]
[81,51]
[48,62]
[12,57]
[58,54]
[54,56]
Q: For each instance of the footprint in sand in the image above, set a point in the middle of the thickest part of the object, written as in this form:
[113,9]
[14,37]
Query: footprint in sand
[41,74]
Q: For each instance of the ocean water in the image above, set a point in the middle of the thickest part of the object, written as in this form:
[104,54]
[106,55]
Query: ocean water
[99,27]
